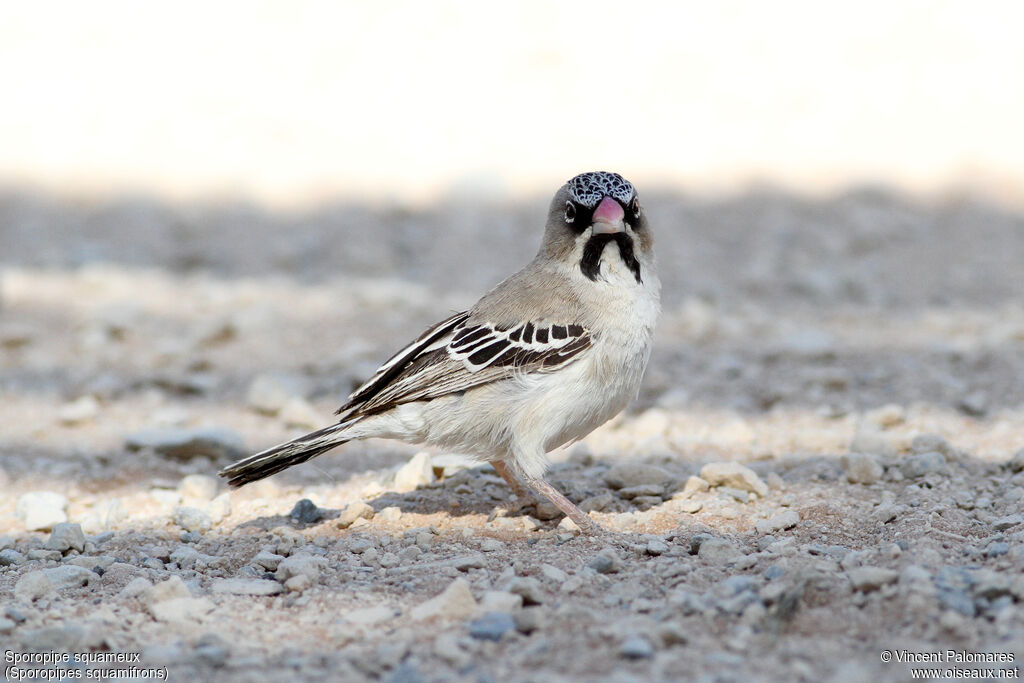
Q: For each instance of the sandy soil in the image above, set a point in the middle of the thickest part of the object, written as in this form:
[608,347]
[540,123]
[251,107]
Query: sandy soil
[861,355]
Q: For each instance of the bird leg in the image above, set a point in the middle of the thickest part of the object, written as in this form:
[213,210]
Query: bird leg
[510,478]
[583,521]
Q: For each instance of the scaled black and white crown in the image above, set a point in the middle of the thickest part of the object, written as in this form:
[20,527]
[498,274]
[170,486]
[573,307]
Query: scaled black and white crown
[588,188]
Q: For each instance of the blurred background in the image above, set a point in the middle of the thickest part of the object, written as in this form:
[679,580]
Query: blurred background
[193,196]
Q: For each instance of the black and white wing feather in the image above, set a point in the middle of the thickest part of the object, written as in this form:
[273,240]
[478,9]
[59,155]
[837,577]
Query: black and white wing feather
[456,354]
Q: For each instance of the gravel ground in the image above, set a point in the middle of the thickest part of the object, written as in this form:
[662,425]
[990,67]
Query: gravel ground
[825,462]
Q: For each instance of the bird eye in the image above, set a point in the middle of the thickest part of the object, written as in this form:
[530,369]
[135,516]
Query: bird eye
[634,206]
[570,212]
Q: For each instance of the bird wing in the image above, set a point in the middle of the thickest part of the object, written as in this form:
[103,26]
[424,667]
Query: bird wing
[455,355]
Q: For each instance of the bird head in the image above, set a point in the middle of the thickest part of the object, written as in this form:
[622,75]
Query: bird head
[590,212]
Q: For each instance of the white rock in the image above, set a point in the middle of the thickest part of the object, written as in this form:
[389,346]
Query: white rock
[861,468]
[171,589]
[269,393]
[268,560]
[719,551]
[455,602]
[781,521]
[352,512]
[693,485]
[199,488]
[136,588]
[41,510]
[499,601]
[104,516]
[734,475]
[80,410]
[370,615]
[70,576]
[390,514]
[302,564]
[178,610]
[219,508]
[871,578]
[246,586]
[33,586]
[192,519]
[298,412]
[554,573]
[628,474]
[415,473]
[66,536]
[299,583]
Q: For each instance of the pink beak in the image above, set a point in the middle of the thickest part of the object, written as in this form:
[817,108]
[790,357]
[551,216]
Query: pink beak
[608,217]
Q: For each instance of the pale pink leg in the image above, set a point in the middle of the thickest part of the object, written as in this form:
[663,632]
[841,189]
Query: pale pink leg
[583,521]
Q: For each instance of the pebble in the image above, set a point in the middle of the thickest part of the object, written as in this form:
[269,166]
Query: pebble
[781,521]
[419,471]
[689,506]
[466,562]
[997,548]
[500,601]
[529,619]
[181,610]
[975,403]
[304,567]
[694,485]
[41,510]
[734,475]
[305,511]
[268,560]
[455,602]
[866,579]
[656,547]
[78,411]
[630,474]
[390,514]
[736,494]
[352,512]
[10,557]
[636,647]
[66,536]
[1016,463]
[719,551]
[270,393]
[246,586]
[1004,523]
[200,488]
[491,626]
[606,562]
[861,468]
[449,647]
[642,491]
[553,573]
[491,545]
[6,626]
[528,588]
[921,464]
[184,443]
[70,576]
[596,503]
[192,519]
[32,586]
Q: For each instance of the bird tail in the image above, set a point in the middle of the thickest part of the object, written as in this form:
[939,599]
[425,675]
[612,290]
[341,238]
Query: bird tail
[283,456]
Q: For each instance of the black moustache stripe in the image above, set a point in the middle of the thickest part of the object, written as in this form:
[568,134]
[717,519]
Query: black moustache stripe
[590,264]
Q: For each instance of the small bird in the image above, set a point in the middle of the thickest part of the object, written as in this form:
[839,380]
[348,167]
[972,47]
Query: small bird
[541,360]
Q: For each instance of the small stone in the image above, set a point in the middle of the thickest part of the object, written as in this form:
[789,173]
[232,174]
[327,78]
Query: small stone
[596,503]
[529,619]
[455,602]
[78,411]
[656,547]
[693,486]
[70,576]
[466,562]
[738,495]
[500,601]
[41,510]
[527,587]
[179,610]
[219,508]
[867,579]
[299,584]
[390,514]
[305,511]
[861,468]
[719,551]
[136,588]
[869,438]
[301,564]
[887,416]
[388,560]
[1016,463]
[352,512]
[643,490]
[200,488]
[66,536]
[734,475]
[553,573]
[415,473]
[268,560]
[6,626]
[491,545]
[32,586]
[630,474]
[491,626]
[689,506]
[568,525]
[1008,522]
[781,521]
[448,647]
[246,586]
[170,589]
[184,444]
[605,562]
[636,647]
[975,403]
[546,510]
[997,548]
[269,393]
[923,463]
[192,519]
[10,556]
